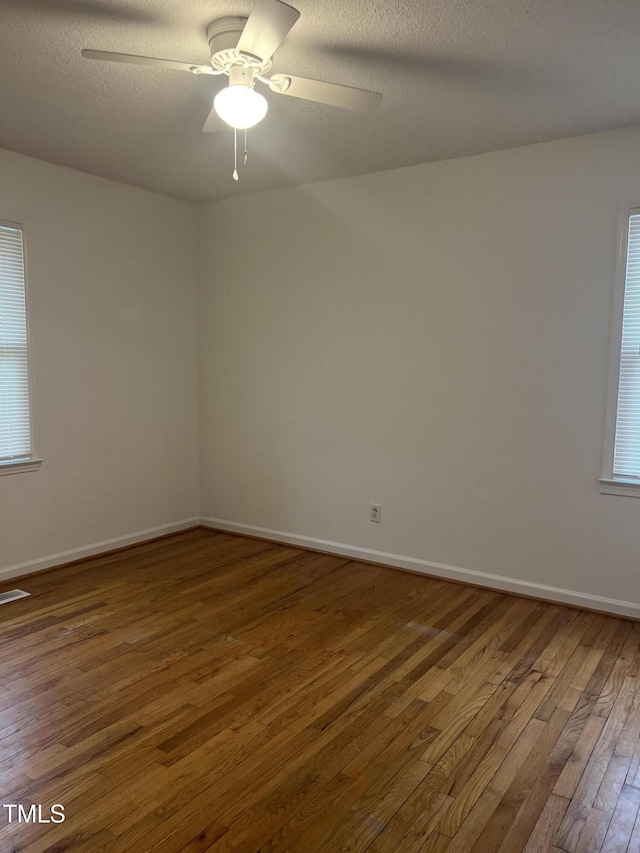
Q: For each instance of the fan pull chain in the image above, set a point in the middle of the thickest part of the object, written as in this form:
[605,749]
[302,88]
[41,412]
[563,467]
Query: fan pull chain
[245,146]
[235,154]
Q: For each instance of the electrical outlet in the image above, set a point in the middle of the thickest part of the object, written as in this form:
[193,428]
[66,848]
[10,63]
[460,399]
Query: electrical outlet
[376,513]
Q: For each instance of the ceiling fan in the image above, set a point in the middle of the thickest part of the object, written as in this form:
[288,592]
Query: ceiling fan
[242,48]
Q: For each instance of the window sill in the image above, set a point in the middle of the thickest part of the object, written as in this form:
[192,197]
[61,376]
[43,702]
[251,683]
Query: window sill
[631,488]
[20,467]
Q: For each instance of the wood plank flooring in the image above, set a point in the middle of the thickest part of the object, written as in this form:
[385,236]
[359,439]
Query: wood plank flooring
[207,692]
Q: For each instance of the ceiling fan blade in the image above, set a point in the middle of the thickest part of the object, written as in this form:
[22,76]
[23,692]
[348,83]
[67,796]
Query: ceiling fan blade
[267,27]
[147,60]
[214,123]
[333,94]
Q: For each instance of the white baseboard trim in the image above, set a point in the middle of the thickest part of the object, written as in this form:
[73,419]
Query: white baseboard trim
[440,570]
[427,567]
[53,560]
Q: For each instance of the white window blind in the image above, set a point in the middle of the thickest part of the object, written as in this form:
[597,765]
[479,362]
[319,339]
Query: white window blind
[15,417]
[626,457]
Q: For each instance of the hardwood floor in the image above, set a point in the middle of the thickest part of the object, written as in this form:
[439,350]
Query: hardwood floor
[211,693]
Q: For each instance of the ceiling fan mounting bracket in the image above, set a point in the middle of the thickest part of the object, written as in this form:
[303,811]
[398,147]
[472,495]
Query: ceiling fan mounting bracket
[224,35]
[279,83]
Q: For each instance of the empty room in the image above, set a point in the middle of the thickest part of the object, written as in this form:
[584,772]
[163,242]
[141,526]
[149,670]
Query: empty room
[319,426]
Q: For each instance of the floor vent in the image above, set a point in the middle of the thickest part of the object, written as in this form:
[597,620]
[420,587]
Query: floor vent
[13,595]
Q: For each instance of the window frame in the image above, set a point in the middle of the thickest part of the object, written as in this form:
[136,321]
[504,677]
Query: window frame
[34,461]
[610,483]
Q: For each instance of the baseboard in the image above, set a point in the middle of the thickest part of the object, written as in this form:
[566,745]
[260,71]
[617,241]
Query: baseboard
[395,561]
[439,570]
[74,554]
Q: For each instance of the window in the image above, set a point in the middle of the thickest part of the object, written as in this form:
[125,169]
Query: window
[16,441]
[622,465]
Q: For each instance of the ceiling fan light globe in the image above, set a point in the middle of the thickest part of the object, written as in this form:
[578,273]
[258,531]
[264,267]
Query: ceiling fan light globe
[240,106]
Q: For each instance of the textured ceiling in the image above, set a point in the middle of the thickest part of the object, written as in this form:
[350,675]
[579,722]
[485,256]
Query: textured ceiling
[458,77]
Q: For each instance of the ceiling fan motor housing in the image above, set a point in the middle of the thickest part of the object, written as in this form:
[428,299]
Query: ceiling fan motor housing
[224,35]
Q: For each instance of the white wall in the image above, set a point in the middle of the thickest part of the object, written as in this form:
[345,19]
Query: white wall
[111,280]
[434,339]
